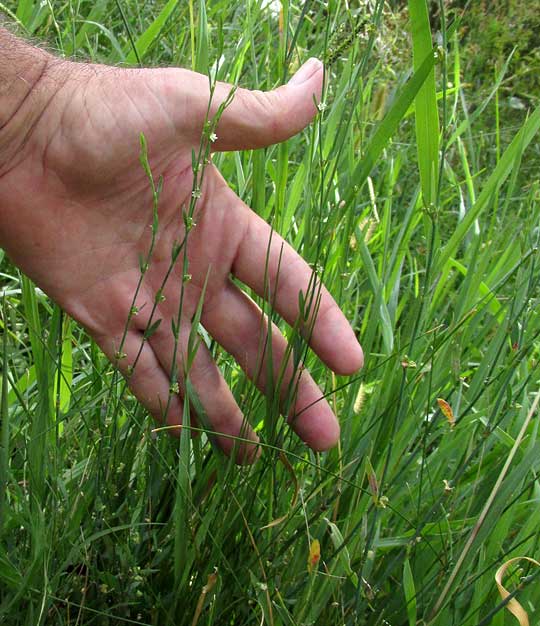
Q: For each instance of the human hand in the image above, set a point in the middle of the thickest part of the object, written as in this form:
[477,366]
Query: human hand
[76,216]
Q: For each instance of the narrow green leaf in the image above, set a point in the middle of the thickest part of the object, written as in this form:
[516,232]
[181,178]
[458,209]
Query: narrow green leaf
[343,555]
[24,11]
[410,593]
[152,328]
[194,339]
[378,293]
[66,368]
[182,505]
[426,113]
[202,55]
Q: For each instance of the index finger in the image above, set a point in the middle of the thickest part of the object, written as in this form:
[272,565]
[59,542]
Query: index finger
[272,268]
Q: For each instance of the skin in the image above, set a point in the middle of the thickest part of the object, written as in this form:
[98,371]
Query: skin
[76,214]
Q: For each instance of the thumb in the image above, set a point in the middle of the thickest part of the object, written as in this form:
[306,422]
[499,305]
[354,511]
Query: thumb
[255,119]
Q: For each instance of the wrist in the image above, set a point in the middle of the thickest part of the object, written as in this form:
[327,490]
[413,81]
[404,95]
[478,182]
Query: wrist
[26,87]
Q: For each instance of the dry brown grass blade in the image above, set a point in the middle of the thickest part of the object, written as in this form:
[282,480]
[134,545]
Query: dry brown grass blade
[210,583]
[513,605]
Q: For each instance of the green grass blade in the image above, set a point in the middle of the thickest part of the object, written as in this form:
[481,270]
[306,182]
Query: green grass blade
[64,375]
[128,29]
[389,124]
[202,54]
[378,293]
[426,113]
[182,499]
[41,417]
[344,557]
[489,298]
[410,592]
[145,41]
[25,8]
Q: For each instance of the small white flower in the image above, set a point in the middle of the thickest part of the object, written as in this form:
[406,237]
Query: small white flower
[213,137]
[322,106]
[196,193]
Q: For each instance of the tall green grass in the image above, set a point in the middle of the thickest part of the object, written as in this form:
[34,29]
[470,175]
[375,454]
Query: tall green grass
[426,231]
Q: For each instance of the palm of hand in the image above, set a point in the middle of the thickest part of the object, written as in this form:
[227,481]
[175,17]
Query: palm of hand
[94,204]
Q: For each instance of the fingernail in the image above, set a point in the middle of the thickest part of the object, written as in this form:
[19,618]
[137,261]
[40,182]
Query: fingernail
[310,67]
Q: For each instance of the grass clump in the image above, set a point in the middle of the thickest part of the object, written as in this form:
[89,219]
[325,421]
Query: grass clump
[432,255]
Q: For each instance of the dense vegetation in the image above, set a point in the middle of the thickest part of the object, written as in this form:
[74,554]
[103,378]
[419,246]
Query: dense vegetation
[415,196]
